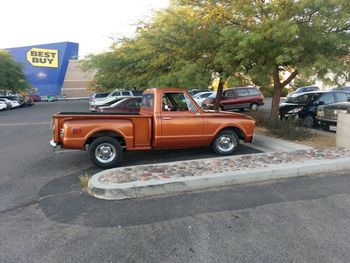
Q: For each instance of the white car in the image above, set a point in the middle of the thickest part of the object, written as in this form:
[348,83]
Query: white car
[3,105]
[200,97]
[13,103]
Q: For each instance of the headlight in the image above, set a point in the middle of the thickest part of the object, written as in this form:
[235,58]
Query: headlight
[336,112]
[320,113]
[296,110]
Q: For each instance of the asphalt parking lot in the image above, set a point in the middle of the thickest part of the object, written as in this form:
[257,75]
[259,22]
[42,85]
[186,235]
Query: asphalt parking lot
[28,161]
[44,217]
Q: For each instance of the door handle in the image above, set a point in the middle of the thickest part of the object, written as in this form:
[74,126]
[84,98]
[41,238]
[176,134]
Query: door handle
[166,118]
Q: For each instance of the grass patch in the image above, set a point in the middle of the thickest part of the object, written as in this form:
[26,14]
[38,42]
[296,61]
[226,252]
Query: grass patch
[84,183]
[284,129]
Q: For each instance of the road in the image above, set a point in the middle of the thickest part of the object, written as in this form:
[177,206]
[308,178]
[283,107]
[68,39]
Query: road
[44,217]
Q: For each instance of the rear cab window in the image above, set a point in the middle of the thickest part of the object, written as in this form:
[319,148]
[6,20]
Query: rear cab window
[147,100]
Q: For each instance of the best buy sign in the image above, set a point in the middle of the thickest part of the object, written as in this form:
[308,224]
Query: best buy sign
[40,57]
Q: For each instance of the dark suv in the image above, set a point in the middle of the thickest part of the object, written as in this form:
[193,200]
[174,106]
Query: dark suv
[305,105]
[237,98]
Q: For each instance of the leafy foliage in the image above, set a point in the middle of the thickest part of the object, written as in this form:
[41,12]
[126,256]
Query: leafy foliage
[12,77]
[264,43]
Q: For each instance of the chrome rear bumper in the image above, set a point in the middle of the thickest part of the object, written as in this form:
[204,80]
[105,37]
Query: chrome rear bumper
[55,146]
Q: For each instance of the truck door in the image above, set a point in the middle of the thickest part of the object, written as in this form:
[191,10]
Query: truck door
[181,123]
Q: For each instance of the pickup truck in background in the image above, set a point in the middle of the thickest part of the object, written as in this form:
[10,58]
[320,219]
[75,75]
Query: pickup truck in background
[168,118]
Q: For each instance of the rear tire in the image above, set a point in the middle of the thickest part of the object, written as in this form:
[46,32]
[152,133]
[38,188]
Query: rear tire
[105,152]
[226,142]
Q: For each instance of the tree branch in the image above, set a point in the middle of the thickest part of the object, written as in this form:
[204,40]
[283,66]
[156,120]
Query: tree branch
[290,78]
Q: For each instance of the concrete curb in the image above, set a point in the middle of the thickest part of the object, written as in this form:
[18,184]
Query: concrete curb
[277,145]
[140,189]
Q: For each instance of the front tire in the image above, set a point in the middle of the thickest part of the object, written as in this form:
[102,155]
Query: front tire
[105,152]
[226,142]
[254,107]
[309,121]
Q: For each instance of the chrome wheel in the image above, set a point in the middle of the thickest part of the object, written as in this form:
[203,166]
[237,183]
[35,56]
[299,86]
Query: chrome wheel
[105,152]
[226,143]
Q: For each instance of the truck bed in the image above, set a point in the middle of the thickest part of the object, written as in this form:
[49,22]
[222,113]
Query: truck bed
[98,113]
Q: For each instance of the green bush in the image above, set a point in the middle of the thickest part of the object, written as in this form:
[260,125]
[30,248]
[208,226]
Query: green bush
[288,129]
[284,129]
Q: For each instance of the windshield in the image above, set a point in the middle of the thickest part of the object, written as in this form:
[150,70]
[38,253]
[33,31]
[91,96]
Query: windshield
[305,98]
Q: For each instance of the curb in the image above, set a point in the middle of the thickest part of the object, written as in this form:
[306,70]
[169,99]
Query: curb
[141,189]
[277,145]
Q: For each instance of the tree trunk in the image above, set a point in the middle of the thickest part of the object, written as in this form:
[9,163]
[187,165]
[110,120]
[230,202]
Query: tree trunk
[276,93]
[277,90]
[219,94]
[276,101]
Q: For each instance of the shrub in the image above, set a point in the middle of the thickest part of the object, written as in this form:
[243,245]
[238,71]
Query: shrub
[285,129]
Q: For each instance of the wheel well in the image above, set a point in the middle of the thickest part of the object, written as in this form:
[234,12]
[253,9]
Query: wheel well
[238,131]
[112,134]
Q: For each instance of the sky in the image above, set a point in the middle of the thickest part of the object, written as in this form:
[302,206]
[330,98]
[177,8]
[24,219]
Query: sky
[91,23]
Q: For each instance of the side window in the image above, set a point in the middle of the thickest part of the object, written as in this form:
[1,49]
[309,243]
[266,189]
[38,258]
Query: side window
[242,92]
[229,94]
[327,98]
[147,100]
[174,102]
[341,96]
[125,93]
[254,92]
[134,104]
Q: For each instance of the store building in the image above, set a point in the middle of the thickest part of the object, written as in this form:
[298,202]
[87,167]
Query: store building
[53,69]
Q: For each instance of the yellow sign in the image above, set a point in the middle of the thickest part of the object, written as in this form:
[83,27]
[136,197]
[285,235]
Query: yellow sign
[40,57]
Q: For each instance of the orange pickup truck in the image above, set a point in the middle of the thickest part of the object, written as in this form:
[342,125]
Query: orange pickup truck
[168,118]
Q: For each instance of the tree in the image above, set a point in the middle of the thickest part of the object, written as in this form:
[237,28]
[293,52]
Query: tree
[268,38]
[12,77]
[257,41]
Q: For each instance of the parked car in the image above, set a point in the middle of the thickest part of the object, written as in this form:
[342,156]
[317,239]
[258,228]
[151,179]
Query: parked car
[302,90]
[6,102]
[201,96]
[169,118]
[131,104]
[94,97]
[114,97]
[305,105]
[327,115]
[237,98]
[34,97]
[347,89]
[3,105]
[193,91]
[12,102]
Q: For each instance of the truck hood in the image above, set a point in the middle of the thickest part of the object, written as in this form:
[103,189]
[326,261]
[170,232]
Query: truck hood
[338,106]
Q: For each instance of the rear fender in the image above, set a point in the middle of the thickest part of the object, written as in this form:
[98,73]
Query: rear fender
[89,128]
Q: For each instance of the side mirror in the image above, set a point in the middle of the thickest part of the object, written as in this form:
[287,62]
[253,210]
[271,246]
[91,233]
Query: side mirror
[320,103]
[349,98]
